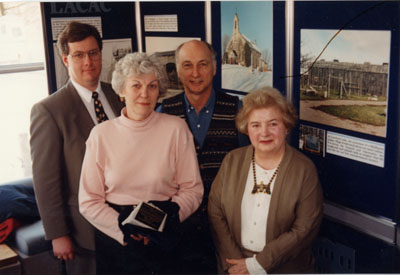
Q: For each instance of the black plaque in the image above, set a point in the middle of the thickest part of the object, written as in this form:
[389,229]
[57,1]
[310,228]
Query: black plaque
[150,216]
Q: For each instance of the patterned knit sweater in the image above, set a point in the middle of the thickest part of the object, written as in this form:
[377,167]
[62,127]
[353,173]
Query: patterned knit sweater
[222,137]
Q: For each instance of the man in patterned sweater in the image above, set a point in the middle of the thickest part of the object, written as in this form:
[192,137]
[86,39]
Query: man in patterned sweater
[211,118]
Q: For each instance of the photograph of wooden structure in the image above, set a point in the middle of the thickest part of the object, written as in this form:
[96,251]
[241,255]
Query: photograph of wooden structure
[345,83]
[346,79]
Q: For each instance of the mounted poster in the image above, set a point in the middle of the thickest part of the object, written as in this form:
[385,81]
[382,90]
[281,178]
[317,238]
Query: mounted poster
[347,86]
[246,48]
[171,19]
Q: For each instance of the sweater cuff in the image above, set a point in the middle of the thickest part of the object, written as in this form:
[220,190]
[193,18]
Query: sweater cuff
[120,238]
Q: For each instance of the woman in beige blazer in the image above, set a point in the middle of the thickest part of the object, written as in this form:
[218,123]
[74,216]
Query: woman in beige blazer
[265,205]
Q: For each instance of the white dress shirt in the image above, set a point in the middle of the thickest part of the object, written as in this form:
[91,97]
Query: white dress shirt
[255,209]
[86,96]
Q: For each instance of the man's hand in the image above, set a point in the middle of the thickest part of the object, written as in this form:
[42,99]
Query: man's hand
[63,248]
[238,266]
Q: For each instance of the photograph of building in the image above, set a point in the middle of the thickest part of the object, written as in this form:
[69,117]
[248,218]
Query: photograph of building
[246,51]
[241,50]
[347,86]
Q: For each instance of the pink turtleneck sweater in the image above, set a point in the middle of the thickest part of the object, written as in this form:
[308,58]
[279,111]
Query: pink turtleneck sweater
[129,161]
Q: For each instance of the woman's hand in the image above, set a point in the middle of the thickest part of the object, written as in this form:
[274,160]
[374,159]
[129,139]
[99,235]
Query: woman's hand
[63,248]
[139,238]
[238,266]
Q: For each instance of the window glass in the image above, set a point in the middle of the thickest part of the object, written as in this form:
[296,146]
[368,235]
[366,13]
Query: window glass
[21,43]
[21,36]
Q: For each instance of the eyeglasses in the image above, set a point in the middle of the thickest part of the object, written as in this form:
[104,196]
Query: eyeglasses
[94,55]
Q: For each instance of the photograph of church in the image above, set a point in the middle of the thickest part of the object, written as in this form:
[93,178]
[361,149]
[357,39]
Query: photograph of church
[241,50]
[246,51]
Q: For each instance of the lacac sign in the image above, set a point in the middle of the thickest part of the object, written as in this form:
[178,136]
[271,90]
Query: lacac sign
[79,8]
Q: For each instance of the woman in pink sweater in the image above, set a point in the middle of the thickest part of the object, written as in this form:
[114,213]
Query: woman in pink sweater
[140,156]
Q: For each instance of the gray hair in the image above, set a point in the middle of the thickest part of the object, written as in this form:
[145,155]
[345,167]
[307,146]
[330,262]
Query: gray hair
[137,64]
[212,51]
[265,97]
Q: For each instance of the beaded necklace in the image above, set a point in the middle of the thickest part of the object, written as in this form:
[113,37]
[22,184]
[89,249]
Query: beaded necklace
[262,188]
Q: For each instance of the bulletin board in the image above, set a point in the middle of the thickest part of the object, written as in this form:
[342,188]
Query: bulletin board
[260,27]
[346,89]
[114,20]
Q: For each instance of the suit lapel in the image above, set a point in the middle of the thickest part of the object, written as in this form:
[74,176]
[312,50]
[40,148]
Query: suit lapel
[80,116]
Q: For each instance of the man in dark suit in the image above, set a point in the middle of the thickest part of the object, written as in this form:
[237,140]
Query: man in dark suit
[60,125]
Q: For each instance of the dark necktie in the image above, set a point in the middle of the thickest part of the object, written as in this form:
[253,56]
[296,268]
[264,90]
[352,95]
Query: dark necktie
[98,108]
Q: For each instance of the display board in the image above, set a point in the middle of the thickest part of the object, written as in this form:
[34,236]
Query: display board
[249,37]
[345,86]
[345,78]
[114,20]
